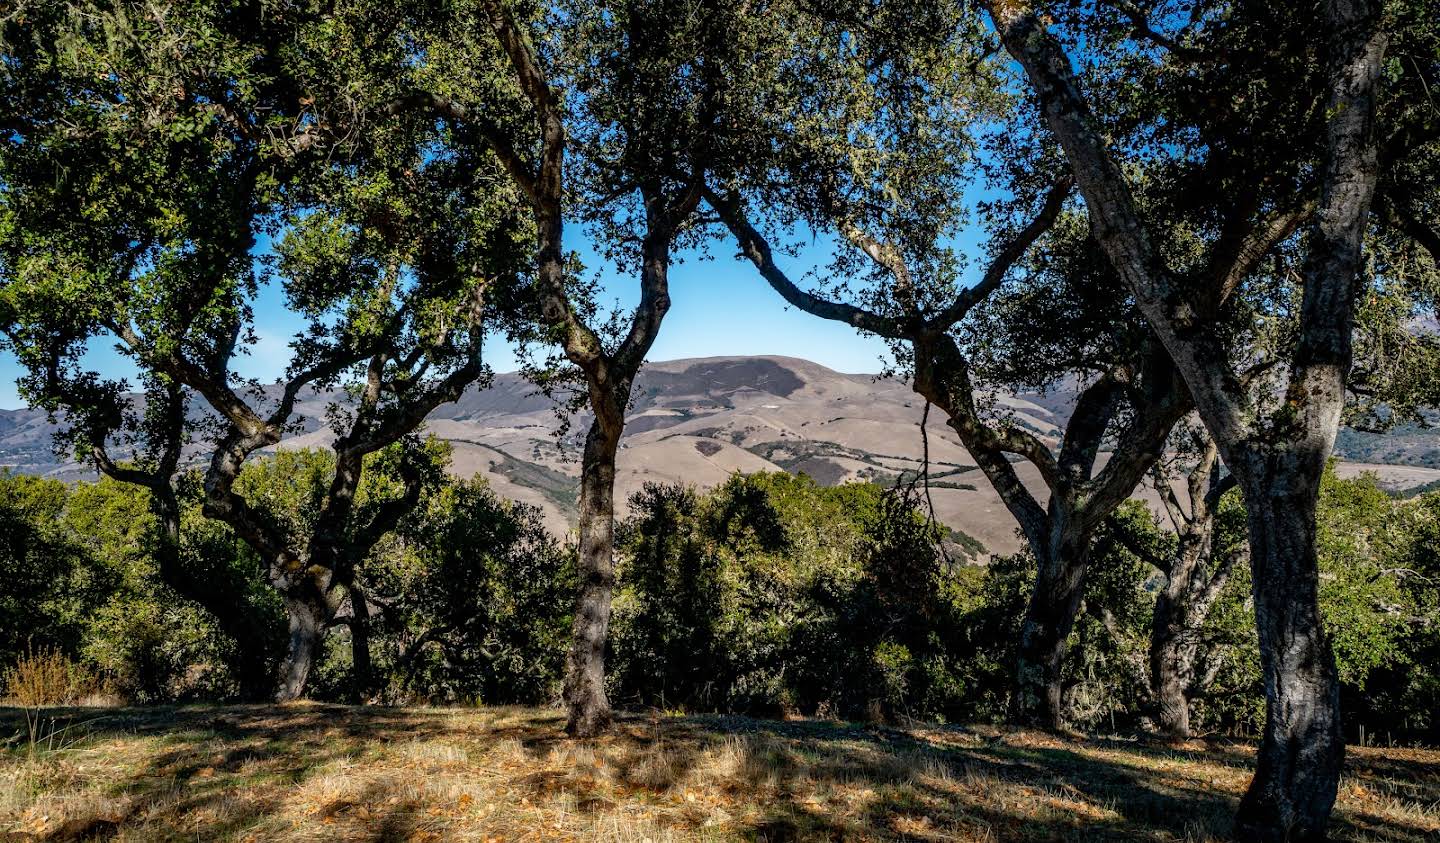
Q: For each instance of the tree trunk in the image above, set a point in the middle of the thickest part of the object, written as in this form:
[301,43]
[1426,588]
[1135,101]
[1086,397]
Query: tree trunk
[1049,618]
[308,615]
[1181,608]
[1172,669]
[361,666]
[585,669]
[1302,750]
[1175,630]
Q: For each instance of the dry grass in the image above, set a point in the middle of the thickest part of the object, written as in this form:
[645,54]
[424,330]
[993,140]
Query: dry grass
[333,773]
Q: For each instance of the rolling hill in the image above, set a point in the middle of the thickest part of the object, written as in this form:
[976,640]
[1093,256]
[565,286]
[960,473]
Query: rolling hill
[697,421]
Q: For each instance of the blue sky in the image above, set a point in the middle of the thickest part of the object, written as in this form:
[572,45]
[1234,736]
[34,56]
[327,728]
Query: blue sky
[719,306]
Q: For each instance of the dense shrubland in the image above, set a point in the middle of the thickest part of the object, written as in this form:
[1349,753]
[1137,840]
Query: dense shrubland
[768,595]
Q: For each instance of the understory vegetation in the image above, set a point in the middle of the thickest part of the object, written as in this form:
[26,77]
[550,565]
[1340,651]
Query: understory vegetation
[769,595]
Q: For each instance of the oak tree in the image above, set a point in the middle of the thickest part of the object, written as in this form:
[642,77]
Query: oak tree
[153,149]
[1286,103]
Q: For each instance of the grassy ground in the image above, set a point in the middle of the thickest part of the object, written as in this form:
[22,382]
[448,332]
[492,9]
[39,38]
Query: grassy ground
[333,773]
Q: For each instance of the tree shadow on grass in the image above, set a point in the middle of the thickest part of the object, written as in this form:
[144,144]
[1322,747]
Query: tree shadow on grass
[377,774]
[1043,788]
[208,772]
[924,789]
[929,785]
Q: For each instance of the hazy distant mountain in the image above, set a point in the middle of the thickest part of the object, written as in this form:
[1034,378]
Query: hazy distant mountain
[697,421]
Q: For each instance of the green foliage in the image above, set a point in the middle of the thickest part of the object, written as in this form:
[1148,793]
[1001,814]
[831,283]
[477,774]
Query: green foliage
[148,151]
[1396,596]
[1362,599]
[1378,610]
[470,597]
[1378,593]
[1106,660]
[773,594]
[43,591]
[473,601]
[769,594]
[288,489]
[78,573]
[151,643]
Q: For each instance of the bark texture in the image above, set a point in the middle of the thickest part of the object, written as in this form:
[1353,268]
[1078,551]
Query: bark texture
[1044,632]
[307,616]
[1182,605]
[609,378]
[1172,655]
[1278,460]
[585,668]
[1302,749]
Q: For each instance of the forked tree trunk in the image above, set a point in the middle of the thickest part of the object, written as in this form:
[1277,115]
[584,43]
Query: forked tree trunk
[1049,619]
[1301,754]
[308,616]
[1183,602]
[589,708]
[1172,669]
[1175,630]
[1181,609]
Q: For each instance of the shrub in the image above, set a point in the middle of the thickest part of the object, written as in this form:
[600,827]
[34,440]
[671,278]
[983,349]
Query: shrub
[46,677]
[472,601]
[773,595]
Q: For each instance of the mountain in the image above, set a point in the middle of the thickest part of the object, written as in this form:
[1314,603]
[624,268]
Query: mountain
[698,421]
